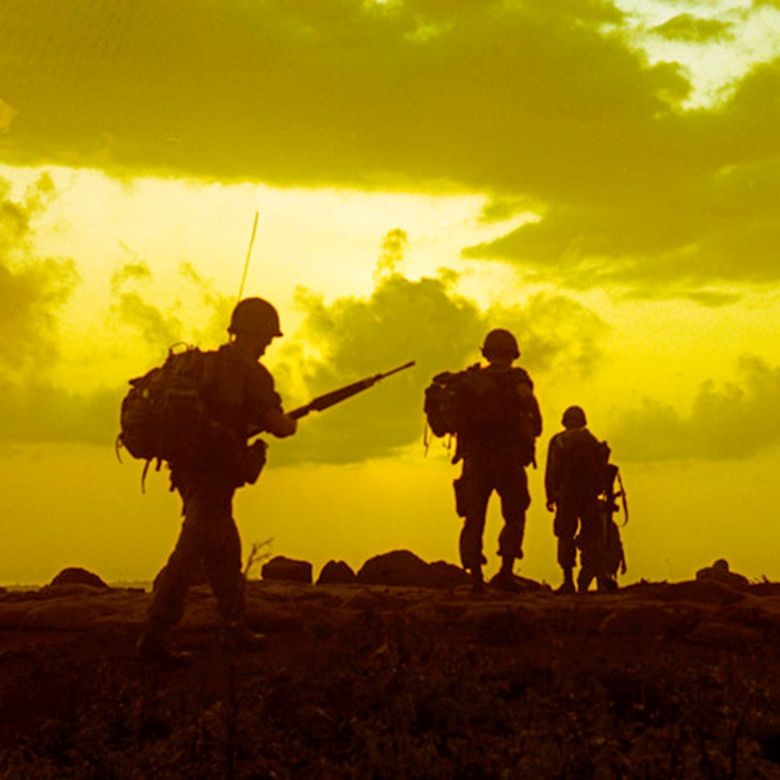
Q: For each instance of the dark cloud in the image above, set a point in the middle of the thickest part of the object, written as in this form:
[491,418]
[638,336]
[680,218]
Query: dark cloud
[732,421]
[423,320]
[41,412]
[693,29]
[548,104]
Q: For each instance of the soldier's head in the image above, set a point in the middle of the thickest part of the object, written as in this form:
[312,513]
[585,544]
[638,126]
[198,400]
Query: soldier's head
[574,417]
[500,346]
[254,324]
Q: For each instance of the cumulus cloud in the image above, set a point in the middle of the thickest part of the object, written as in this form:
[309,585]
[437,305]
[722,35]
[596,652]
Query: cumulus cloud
[32,288]
[733,421]
[424,320]
[160,325]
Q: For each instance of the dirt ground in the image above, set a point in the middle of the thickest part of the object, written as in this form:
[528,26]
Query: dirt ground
[664,680]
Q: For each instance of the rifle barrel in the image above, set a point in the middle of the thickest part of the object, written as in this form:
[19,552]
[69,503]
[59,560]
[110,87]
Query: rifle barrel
[341,394]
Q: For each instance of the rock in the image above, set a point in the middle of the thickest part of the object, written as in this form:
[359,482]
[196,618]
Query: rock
[336,573]
[282,568]
[446,575]
[399,567]
[75,575]
[704,591]
[725,635]
[719,572]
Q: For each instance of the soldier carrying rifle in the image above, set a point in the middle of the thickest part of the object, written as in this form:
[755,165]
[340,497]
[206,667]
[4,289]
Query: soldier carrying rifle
[196,413]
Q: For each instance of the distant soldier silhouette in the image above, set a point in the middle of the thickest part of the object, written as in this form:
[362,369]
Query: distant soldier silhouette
[575,476]
[240,398]
[499,419]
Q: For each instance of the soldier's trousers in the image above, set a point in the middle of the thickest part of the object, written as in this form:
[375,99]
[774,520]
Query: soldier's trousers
[579,522]
[479,478]
[208,543]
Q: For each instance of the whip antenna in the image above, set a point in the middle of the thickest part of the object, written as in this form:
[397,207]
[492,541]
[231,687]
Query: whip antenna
[248,256]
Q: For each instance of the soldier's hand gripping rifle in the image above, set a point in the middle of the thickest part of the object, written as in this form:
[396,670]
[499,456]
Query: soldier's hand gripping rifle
[337,396]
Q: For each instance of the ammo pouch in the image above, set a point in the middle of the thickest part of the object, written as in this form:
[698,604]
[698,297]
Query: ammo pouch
[251,462]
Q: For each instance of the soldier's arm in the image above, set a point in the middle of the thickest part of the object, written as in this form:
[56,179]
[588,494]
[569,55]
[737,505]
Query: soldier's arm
[530,406]
[551,478]
[279,424]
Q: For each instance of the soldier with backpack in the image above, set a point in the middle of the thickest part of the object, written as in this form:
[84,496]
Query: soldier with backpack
[239,398]
[575,477]
[495,417]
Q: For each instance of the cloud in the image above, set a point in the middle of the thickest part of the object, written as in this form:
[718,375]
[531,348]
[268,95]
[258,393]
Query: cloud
[693,29]
[424,320]
[32,288]
[733,421]
[41,412]
[133,288]
[550,104]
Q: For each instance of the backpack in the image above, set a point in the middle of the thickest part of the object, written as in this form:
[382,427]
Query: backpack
[477,404]
[163,416]
[444,403]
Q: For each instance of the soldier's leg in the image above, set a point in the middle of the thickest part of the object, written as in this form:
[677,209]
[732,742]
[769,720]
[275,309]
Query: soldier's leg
[170,586]
[512,487]
[593,542]
[565,527]
[223,558]
[472,492]
[183,565]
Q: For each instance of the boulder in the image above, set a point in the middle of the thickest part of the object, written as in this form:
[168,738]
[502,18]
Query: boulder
[399,567]
[74,575]
[404,568]
[446,575]
[719,572]
[336,573]
[282,568]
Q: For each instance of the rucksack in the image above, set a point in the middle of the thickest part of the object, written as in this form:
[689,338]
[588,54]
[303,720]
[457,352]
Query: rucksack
[444,403]
[478,404]
[163,416]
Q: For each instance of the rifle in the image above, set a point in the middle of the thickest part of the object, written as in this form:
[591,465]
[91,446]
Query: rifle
[337,396]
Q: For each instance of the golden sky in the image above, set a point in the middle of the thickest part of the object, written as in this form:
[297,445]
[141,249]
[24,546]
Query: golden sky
[596,176]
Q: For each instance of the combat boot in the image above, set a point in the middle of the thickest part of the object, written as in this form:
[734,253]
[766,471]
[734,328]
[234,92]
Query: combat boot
[477,580]
[505,579]
[152,648]
[584,578]
[606,584]
[567,586]
[236,637]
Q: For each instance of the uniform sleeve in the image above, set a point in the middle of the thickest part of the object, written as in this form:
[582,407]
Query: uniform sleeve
[529,404]
[552,470]
[261,396]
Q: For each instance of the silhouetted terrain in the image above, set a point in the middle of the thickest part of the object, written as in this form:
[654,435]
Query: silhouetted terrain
[662,680]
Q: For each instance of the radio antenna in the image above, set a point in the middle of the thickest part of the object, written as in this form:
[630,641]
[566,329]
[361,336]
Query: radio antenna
[248,256]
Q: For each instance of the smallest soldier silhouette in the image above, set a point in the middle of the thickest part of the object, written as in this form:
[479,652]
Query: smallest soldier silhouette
[575,476]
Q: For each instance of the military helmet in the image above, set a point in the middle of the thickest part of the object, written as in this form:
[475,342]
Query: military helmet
[574,417]
[255,315]
[500,342]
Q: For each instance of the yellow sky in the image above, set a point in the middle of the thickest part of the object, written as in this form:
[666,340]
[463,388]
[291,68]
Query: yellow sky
[602,179]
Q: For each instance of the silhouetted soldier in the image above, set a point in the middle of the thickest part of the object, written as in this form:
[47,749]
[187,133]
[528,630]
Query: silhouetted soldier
[240,398]
[500,420]
[574,479]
